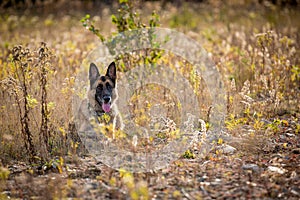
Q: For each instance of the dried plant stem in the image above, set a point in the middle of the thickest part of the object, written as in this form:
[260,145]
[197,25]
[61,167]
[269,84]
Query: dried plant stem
[44,130]
[18,55]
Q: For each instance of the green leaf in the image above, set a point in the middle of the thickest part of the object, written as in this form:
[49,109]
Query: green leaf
[114,19]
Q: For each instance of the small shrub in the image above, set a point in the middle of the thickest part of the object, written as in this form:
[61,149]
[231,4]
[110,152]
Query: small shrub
[26,82]
[127,19]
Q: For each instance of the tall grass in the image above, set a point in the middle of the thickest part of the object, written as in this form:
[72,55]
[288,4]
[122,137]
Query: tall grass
[258,61]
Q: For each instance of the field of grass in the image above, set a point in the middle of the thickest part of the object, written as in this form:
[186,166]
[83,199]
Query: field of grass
[255,46]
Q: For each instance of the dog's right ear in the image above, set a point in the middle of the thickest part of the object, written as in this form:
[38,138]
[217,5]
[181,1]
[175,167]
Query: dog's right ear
[93,73]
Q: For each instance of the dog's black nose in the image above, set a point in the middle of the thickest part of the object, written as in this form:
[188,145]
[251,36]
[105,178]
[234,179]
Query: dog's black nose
[106,99]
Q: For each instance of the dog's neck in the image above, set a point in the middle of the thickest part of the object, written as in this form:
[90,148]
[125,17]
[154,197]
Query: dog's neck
[95,109]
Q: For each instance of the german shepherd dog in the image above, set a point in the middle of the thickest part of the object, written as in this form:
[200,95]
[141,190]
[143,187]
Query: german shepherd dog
[101,100]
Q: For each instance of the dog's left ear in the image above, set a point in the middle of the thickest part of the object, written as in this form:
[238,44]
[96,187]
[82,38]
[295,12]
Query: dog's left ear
[112,72]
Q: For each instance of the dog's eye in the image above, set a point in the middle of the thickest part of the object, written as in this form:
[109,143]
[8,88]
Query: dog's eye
[100,87]
[108,86]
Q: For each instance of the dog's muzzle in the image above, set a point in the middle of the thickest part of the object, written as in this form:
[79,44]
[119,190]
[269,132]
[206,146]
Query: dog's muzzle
[106,103]
[106,99]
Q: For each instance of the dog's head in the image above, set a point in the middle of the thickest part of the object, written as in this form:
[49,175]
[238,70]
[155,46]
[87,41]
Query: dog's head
[102,87]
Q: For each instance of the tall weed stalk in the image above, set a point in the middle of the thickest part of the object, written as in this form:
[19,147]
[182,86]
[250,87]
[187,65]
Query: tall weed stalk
[26,81]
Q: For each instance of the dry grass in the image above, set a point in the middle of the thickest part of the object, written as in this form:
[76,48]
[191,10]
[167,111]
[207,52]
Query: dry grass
[256,49]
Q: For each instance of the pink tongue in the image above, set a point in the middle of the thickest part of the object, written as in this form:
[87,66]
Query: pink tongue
[106,107]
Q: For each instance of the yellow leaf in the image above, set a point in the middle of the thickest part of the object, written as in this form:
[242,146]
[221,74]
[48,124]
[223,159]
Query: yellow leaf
[220,141]
[286,123]
[176,194]
[285,145]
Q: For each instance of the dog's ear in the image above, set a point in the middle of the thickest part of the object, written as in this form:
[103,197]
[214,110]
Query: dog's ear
[93,73]
[112,72]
